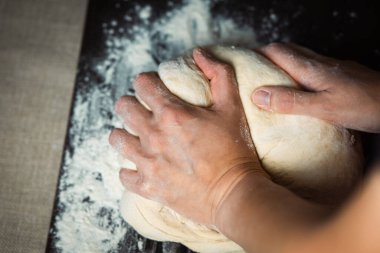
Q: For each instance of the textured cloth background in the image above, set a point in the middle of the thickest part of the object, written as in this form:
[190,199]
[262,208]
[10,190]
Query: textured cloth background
[39,48]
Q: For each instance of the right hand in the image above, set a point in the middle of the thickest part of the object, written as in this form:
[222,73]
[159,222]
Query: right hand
[341,92]
[189,158]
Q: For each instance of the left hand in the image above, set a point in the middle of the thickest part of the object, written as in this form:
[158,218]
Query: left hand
[343,93]
[189,158]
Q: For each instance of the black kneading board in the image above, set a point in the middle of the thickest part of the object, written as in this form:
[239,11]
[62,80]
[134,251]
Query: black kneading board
[342,29]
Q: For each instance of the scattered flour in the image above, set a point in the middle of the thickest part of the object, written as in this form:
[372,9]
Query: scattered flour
[89,188]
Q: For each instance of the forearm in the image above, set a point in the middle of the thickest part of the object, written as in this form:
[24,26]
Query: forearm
[262,216]
[355,228]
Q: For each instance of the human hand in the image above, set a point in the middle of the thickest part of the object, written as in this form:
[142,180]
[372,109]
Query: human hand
[341,92]
[189,158]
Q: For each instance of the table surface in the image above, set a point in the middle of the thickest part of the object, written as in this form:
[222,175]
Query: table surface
[39,48]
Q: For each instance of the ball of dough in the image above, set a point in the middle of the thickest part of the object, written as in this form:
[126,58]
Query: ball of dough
[313,158]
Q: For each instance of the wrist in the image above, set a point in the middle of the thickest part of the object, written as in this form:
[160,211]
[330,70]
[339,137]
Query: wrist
[224,214]
[262,216]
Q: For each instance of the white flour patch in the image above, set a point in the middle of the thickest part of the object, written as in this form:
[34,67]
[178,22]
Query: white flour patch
[89,188]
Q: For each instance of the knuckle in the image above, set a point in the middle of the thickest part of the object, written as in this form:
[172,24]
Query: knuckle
[153,168]
[148,190]
[285,105]
[172,115]
[327,112]
[155,140]
[147,182]
[168,114]
[284,101]
[313,65]
[143,188]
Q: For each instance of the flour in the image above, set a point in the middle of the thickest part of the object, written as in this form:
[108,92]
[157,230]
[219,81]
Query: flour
[89,187]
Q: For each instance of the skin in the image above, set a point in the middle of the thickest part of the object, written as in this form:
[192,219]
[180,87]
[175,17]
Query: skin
[341,92]
[199,162]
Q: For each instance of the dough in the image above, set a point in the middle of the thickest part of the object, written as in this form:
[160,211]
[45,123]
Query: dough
[315,159]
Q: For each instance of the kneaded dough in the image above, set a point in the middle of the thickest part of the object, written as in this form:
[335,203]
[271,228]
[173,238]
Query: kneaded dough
[313,158]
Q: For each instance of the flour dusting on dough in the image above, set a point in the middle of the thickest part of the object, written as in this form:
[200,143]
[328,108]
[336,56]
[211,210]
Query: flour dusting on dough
[89,188]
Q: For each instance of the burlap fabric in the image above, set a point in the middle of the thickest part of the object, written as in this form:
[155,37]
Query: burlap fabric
[39,48]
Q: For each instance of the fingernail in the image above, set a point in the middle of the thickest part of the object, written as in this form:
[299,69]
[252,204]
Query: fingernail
[262,99]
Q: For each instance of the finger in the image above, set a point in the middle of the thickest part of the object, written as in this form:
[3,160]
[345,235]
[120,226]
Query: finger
[127,145]
[222,78]
[273,49]
[131,179]
[288,100]
[152,91]
[300,63]
[304,51]
[135,116]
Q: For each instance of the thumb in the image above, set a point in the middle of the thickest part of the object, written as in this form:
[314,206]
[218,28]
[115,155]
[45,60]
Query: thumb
[286,100]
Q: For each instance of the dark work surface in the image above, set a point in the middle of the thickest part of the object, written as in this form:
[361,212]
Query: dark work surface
[353,33]
[312,24]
